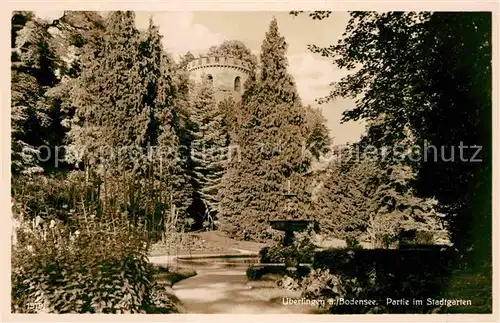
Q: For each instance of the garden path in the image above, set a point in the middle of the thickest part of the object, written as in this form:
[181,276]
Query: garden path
[218,289]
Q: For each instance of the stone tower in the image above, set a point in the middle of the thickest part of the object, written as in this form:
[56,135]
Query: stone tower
[227,74]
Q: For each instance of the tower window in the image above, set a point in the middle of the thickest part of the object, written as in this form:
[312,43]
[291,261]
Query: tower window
[210,79]
[237,84]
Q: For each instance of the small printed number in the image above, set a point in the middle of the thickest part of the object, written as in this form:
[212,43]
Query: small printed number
[35,306]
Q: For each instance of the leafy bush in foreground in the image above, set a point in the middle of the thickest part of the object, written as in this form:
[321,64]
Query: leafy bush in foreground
[378,274]
[101,267]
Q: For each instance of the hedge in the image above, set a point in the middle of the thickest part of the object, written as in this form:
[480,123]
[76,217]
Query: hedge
[400,274]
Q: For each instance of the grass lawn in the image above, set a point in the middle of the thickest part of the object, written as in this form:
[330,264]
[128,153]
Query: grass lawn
[474,285]
[203,243]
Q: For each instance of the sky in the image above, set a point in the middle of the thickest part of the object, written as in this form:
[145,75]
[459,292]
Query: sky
[197,31]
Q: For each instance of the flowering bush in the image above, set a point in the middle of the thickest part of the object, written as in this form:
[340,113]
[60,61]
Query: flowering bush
[100,266]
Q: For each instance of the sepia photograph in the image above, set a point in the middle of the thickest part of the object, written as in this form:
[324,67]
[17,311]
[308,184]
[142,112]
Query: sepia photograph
[251,162]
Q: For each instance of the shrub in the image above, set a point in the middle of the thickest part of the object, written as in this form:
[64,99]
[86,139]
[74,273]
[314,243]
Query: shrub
[101,267]
[301,251]
[375,274]
[53,196]
[424,237]
[62,196]
[264,255]
[254,273]
[324,286]
[161,301]
[291,256]
[321,285]
[353,243]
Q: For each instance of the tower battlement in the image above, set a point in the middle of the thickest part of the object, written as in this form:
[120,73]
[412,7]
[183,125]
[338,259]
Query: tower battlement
[218,61]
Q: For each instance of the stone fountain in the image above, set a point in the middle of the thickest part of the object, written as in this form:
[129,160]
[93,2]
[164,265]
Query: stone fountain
[290,226]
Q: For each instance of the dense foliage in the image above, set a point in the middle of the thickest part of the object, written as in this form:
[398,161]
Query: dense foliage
[91,266]
[236,49]
[113,146]
[319,142]
[209,149]
[35,117]
[374,201]
[300,251]
[425,78]
[100,94]
[413,73]
[376,275]
[270,143]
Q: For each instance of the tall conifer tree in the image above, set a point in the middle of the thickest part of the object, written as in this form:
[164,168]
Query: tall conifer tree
[117,100]
[209,148]
[109,93]
[271,142]
[34,119]
[231,112]
[162,95]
